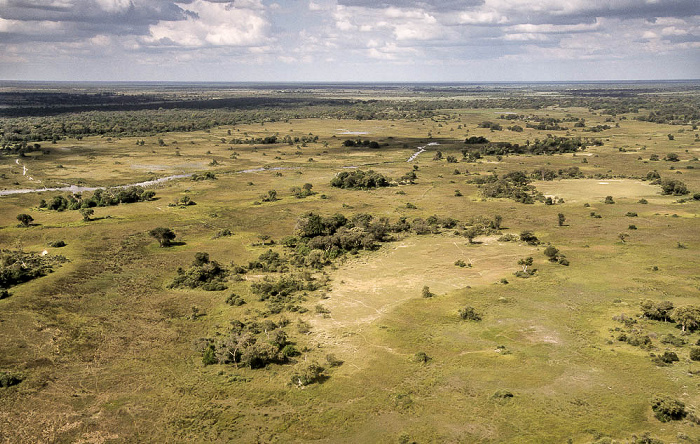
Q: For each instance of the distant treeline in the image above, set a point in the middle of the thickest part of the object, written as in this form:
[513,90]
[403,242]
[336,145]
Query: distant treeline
[29,117]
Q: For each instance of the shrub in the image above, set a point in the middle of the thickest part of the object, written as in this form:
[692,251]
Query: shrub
[609,200]
[668,357]
[529,238]
[695,353]
[502,395]
[667,409]
[204,273]
[306,374]
[552,253]
[17,267]
[673,340]
[8,379]
[421,357]
[235,300]
[57,244]
[209,357]
[426,292]
[469,313]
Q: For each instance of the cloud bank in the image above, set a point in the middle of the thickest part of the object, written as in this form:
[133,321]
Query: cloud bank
[349,40]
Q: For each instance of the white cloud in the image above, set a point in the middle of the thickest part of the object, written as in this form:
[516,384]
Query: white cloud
[215,24]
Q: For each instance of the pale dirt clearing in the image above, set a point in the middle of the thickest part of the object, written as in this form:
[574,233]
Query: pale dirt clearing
[366,288]
[579,190]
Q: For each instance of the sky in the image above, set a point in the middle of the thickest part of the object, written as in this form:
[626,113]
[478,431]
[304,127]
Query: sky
[349,40]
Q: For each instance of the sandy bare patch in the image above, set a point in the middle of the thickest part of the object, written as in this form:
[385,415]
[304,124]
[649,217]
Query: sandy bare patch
[574,190]
[366,288]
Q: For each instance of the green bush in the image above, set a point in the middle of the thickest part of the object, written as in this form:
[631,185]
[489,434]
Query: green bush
[8,379]
[695,353]
[667,409]
[469,313]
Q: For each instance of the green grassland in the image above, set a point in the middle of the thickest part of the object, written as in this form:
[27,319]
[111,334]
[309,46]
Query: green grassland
[107,351]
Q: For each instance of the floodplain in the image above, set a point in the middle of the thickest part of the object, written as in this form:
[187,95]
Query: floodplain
[512,264]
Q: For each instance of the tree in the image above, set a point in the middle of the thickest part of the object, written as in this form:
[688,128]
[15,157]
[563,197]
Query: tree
[86,213]
[472,232]
[306,374]
[687,316]
[562,219]
[497,221]
[165,236]
[25,219]
[526,262]
[657,311]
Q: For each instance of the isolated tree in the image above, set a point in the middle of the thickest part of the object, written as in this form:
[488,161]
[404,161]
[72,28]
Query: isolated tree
[86,213]
[526,262]
[471,232]
[165,236]
[562,219]
[497,221]
[25,219]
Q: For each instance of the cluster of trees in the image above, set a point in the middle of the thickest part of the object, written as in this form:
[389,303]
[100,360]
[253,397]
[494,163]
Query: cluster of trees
[687,316]
[206,176]
[99,198]
[550,145]
[358,179]
[17,267]
[545,124]
[563,173]
[281,293]
[683,111]
[673,187]
[361,143]
[254,345]
[514,185]
[555,256]
[303,191]
[319,239]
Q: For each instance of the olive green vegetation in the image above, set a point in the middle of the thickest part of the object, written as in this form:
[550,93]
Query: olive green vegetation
[233,319]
